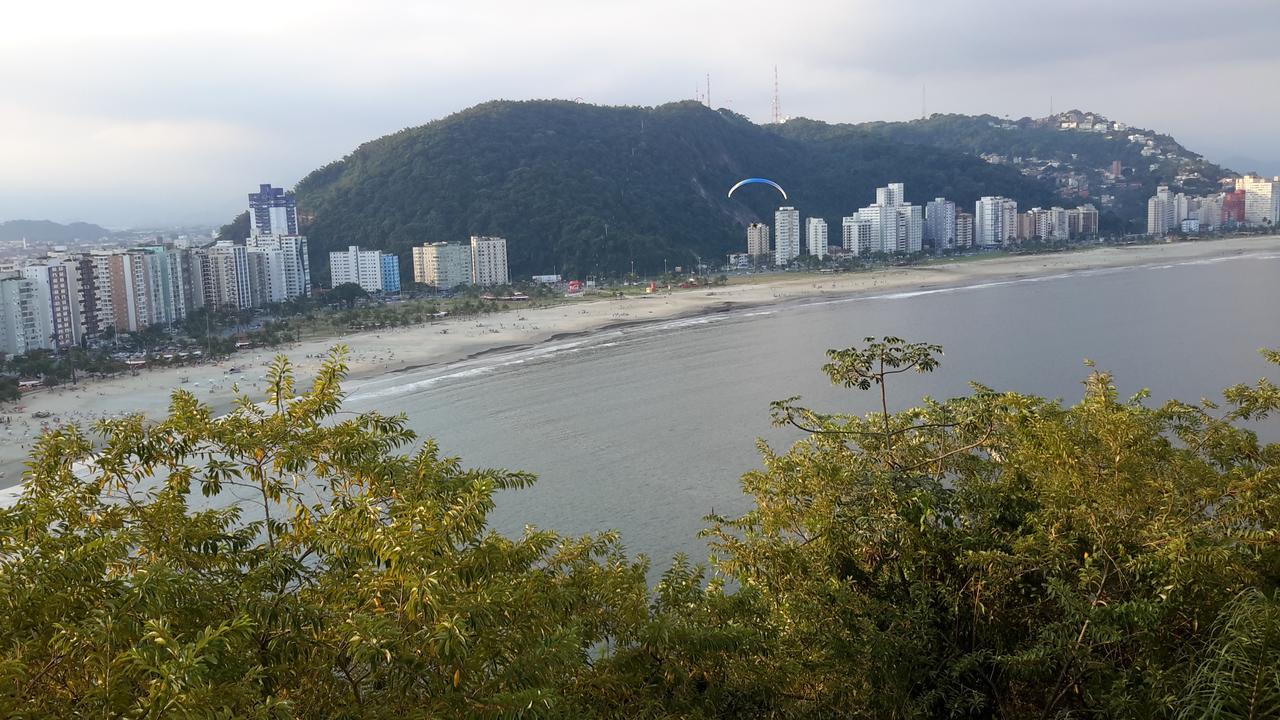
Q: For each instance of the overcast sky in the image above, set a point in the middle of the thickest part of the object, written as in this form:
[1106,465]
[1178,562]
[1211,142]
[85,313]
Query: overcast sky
[138,111]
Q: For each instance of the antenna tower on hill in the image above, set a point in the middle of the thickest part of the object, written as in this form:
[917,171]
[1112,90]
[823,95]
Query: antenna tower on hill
[777,102]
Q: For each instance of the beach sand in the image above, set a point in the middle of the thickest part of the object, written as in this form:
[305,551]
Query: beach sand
[384,351]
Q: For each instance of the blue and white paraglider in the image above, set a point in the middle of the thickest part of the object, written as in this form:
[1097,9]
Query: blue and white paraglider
[764,181]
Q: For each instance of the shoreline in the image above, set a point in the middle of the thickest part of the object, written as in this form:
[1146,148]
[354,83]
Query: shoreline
[389,352]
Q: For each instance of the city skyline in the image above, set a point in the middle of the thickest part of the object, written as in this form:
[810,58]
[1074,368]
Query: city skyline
[151,131]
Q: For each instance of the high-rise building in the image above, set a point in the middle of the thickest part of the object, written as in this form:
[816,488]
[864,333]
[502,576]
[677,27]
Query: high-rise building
[1184,207]
[167,274]
[895,226]
[24,318]
[390,273]
[104,314]
[1161,212]
[891,194]
[1233,206]
[272,211]
[58,287]
[1082,221]
[295,266]
[1027,224]
[86,294]
[855,234]
[362,267]
[1057,224]
[757,240]
[489,261]
[816,237]
[443,266]
[190,279]
[1210,213]
[911,229]
[1261,199]
[995,221]
[964,230]
[131,291]
[940,224]
[225,276]
[264,285]
[786,238]
[268,277]
[1053,224]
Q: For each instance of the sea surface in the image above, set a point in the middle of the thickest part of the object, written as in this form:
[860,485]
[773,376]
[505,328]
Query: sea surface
[647,429]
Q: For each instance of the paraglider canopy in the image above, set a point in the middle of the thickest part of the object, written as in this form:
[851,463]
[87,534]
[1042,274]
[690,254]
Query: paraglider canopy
[751,181]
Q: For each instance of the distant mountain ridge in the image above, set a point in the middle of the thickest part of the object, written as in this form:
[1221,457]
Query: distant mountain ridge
[583,189]
[48,231]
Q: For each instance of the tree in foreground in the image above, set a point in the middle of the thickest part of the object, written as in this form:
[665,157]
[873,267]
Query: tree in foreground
[285,561]
[994,555]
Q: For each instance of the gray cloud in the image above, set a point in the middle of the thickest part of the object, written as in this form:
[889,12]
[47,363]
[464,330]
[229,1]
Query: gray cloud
[143,112]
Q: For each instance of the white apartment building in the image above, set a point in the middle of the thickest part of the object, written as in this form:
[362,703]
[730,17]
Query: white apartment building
[757,240]
[103,291]
[58,287]
[855,234]
[1161,212]
[1210,213]
[895,226]
[1053,224]
[442,265]
[225,274]
[786,224]
[815,235]
[267,282]
[910,231]
[1184,207]
[489,261]
[169,286]
[362,267]
[940,224]
[294,265]
[1261,199]
[995,221]
[24,318]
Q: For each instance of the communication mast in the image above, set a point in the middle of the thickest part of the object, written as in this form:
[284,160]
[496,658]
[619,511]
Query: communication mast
[709,90]
[777,102]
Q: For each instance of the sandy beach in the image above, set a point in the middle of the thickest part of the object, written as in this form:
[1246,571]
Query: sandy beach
[379,352]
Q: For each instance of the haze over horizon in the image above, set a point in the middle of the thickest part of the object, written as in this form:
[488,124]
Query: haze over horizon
[145,112]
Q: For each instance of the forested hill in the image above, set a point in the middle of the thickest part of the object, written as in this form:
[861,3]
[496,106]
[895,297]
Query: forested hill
[579,188]
[1072,150]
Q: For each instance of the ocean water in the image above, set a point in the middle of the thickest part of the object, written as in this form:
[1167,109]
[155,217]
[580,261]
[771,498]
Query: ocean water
[647,429]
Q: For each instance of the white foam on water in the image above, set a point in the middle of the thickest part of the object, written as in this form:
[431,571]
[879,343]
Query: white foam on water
[474,367]
[9,496]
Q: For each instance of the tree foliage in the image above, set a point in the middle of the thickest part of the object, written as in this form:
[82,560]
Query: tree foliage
[1002,555]
[281,561]
[991,555]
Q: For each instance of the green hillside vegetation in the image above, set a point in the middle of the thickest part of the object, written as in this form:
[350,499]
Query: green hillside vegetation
[995,555]
[585,190]
[47,231]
